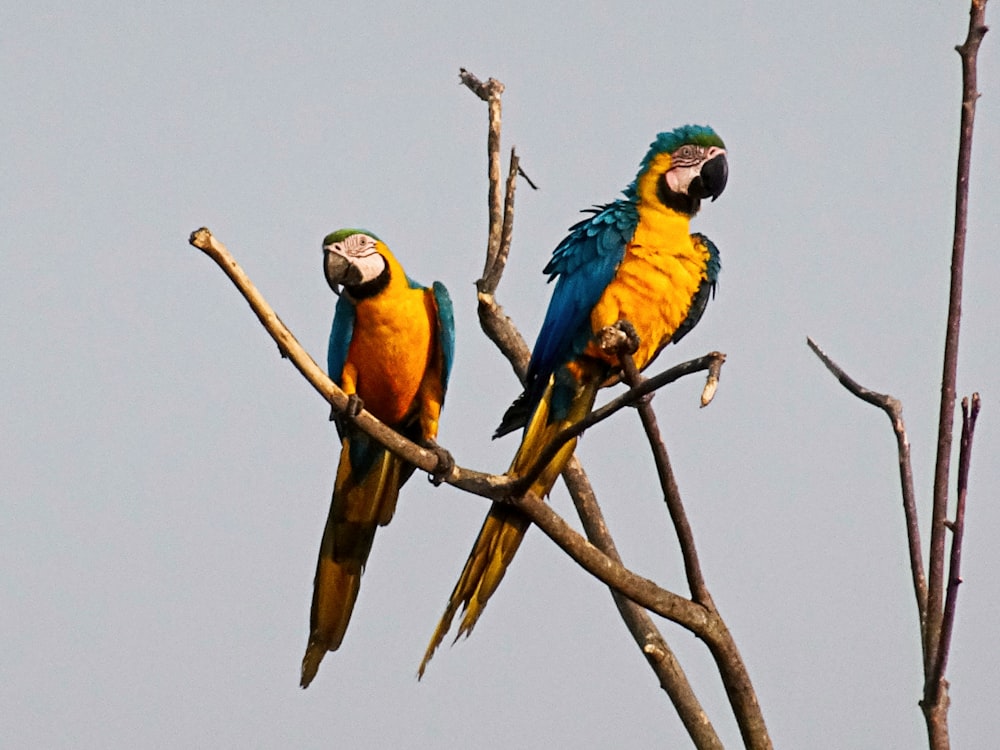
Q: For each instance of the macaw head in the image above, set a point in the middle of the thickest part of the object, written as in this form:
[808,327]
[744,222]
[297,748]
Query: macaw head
[356,260]
[682,167]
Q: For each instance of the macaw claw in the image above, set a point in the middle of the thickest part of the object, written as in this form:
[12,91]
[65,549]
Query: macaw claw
[631,344]
[353,408]
[445,463]
[619,338]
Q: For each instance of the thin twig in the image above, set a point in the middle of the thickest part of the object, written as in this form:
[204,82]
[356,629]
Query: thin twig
[507,230]
[894,410]
[527,179]
[957,528]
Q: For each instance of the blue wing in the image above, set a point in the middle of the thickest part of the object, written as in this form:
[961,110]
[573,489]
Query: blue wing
[583,265]
[340,338]
[446,330]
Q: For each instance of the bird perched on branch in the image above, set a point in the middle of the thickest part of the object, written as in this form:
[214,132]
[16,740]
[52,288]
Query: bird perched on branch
[391,348]
[633,260]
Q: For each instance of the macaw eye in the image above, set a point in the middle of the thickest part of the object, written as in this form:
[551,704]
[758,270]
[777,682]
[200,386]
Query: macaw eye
[686,154]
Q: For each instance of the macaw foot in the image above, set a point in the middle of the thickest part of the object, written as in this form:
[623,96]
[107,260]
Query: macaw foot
[631,344]
[445,462]
[620,338]
[354,407]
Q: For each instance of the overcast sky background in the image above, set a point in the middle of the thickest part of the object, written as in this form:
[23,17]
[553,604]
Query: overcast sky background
[166,475]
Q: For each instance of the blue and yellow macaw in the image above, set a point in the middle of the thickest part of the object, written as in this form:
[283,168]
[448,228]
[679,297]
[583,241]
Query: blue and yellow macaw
[634,260]
[391,350]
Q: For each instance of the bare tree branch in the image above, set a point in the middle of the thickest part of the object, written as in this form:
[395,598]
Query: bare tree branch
[935,701]
[653,645]
[729,661]
[936,599]
[490,91]
[957,528]
[968,51]
[894,410]
[671,493]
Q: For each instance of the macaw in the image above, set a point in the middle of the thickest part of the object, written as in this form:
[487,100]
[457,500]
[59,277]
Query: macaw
[391,349]
[633,260]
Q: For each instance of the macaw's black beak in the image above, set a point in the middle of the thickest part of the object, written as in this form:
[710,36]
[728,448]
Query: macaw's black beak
[339,271]
[712,180]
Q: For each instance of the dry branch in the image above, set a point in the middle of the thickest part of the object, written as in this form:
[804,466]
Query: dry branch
[936,597]
[894,410]
[654,647]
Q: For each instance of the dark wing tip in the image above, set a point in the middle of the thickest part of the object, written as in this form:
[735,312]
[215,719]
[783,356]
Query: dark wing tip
[515,418]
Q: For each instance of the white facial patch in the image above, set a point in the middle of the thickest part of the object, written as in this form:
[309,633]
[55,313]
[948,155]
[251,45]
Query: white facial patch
[355,246]
[361,252]
[369,266]
[687,162]
[679,178]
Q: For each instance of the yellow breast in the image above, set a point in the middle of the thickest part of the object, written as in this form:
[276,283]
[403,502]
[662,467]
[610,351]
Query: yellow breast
[655,283]
[390,348]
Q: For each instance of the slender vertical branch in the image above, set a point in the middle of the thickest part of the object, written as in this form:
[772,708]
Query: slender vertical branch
[671,493]
[507,230]
[957,528]
[935,701]
[968,51]
[647,637]
[729,662]
[489,91]
[936,599]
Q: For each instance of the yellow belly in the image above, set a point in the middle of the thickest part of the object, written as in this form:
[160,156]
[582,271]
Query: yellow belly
[390,349]
[654,285]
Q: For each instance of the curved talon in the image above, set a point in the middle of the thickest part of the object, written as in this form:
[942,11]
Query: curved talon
[445,463]
[631,336]
[619,338]
[353,408]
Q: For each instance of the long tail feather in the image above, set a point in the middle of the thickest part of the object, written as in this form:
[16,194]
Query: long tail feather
[505,526]
[363,500]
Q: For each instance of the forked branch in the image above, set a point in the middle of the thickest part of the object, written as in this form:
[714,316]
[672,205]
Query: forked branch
[937,594]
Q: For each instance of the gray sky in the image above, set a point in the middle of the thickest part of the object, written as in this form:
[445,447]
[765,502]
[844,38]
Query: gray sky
[166,475]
